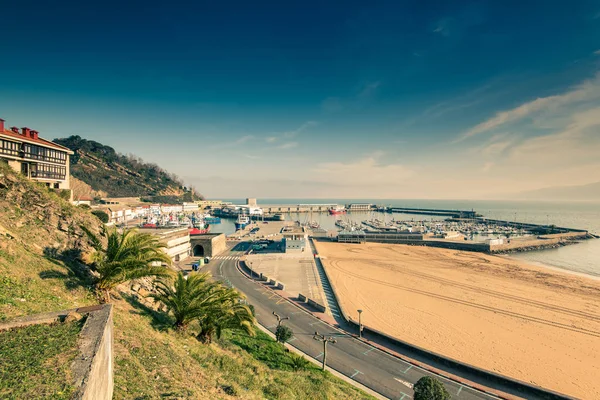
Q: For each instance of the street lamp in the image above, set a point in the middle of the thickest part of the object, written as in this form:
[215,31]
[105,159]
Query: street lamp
[279,318]
[359,324]
[325,340]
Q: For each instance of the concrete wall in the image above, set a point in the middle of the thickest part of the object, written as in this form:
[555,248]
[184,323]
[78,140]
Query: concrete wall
[212,243]
[93,369]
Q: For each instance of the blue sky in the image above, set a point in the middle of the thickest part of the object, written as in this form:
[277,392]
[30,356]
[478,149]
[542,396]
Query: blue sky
[422,99]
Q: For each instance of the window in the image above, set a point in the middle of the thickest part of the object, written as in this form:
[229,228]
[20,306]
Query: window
[45,171]
[44,154]
[9,148]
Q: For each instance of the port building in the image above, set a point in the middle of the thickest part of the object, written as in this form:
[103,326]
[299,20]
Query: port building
[360,207]
[38,159]
[294,239]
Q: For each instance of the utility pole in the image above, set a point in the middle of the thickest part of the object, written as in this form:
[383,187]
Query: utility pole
[325,340]
[359,324]
[279,319]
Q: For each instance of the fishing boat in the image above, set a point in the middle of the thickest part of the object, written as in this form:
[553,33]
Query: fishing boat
[337,210]
[209,219]
[241,222]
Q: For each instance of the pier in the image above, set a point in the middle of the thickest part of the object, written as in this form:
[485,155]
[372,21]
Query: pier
[429,211]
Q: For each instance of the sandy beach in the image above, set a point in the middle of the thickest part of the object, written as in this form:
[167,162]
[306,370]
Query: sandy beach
[535,324]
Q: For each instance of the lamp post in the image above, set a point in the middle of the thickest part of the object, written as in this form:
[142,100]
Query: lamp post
[325,340]
[279,318]
[359,324]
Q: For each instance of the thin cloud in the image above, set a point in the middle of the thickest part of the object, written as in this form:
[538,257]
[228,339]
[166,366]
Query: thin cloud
[597,52]
[289,145]
[363,96]
[292,133]
[586,91]
[233,143]
[369,170]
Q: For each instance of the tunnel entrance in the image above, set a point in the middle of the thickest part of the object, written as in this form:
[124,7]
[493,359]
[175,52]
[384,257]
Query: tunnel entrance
[198,250]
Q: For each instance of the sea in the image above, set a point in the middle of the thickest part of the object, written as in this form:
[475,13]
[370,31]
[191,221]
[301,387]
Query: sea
[583,257]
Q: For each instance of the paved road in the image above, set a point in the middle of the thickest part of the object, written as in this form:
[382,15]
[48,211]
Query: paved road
[385,374]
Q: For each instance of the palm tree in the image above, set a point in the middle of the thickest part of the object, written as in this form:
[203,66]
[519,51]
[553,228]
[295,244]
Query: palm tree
[231,315]
[187,299]
[128,255]
[213,305]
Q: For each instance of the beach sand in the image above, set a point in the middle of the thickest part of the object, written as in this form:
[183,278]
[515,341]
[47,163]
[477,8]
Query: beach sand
[534,324]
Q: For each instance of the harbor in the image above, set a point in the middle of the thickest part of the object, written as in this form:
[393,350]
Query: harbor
[366,222]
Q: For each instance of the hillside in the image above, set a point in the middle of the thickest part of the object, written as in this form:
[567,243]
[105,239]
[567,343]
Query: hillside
[42,254]
[118,175]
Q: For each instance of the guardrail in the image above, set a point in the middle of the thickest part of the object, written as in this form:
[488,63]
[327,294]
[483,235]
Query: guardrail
[517,387]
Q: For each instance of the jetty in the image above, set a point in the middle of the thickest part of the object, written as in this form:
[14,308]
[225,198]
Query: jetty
[430,211]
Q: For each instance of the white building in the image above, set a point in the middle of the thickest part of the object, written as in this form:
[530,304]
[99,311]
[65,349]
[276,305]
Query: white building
[36,158]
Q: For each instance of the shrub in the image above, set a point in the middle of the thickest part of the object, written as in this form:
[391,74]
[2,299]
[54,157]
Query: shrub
[298,362]
[429,388]
[102,216]
[283,333]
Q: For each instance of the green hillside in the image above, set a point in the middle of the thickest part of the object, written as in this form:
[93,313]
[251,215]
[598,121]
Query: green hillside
[120,175]
[42,268]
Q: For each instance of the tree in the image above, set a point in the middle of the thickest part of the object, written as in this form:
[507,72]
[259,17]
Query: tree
[214,306]
[231,314]
[128,255]
[429,388]
[101,215]
[187,299]
[283,333]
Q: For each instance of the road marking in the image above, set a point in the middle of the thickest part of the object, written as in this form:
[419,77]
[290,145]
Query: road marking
[320,354]
[292,339]
[407,369]
[356,373]
[459,390]
[271,326]
[280,301]
[404,395]
[296,312]
[314,323]
[368,351]
[405,383]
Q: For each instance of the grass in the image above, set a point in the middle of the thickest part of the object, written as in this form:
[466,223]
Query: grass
[31,283]
[36,361]
[154,363]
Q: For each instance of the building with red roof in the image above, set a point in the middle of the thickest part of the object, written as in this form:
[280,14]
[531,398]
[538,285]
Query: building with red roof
[36,158]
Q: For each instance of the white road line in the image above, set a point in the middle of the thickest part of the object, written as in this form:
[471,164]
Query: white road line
[368,351]
[292,339]
[405,383]
[320,354]
[356,373]
[407,369]
[459,390]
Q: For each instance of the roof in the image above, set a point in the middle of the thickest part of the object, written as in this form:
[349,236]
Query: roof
[39,141]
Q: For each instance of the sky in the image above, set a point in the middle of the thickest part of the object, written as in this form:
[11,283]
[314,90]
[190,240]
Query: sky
[353,99]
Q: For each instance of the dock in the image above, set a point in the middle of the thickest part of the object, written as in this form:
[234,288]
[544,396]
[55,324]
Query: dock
[429,211]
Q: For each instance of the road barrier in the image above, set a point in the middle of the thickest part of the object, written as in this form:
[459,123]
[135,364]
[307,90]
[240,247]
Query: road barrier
[317,306]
